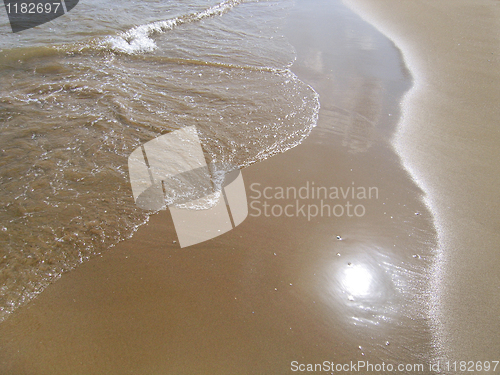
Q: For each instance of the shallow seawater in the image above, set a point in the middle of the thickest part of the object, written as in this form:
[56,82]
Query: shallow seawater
[79,94]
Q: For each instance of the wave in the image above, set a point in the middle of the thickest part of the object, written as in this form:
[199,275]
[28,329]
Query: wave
[75,112]
[138,39]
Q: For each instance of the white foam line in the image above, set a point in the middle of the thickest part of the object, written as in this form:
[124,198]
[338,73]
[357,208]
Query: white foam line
[138,39]
[400,144]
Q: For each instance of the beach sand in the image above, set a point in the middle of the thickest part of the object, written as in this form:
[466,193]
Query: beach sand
[449,139]
[281,289]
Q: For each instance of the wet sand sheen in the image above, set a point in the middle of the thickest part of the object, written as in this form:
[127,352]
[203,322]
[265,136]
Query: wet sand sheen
[449,140]
[273,290]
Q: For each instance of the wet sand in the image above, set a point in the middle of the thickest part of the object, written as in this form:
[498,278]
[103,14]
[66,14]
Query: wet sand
[277,290]
[449,139]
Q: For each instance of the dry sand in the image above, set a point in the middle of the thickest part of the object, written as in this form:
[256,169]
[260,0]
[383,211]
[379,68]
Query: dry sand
[275,290]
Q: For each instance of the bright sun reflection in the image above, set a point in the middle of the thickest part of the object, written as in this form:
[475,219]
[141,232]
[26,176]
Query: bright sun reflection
[357,281]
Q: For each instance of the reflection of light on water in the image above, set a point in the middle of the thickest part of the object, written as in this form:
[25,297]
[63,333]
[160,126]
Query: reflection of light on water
[362,290]
[357,281]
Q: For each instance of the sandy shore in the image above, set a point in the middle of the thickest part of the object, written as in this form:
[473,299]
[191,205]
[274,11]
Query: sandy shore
[281,289]
[449,140]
